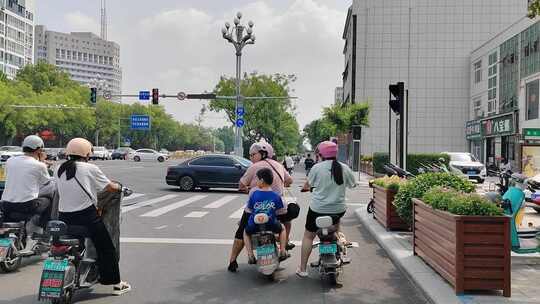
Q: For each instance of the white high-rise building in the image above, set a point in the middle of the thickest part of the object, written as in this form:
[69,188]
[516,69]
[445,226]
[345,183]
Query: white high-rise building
[16,35]
[86,57]
[427,45]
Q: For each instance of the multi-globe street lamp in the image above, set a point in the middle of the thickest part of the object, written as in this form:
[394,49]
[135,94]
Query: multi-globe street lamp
[239,36]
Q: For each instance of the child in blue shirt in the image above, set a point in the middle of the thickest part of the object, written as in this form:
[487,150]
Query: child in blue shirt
[264,200]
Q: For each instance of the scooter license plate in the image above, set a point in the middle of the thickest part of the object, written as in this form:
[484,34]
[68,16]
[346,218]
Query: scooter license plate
[265,250]
[327,248]
[55,265]
[471,172]
[5,244]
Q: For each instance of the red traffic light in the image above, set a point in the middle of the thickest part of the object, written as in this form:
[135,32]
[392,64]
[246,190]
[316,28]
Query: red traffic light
[155,96]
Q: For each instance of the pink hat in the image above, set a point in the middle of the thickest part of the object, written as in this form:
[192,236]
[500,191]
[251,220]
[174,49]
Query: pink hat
[327,149]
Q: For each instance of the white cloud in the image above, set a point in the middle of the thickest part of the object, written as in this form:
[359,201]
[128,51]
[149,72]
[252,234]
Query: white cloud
[182,49]
[79,22]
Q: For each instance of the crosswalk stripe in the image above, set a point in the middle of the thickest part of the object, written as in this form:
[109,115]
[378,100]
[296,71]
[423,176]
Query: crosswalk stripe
[220,202]
[173,206]
[133,196]
[237,214]
[148,203]
[196,214]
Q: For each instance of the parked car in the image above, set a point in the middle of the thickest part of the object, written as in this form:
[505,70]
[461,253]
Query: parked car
[62,154]
[149,154]
[52,153]
[8,151]
[468,165]
[122,153]
[100,153]
[208,171]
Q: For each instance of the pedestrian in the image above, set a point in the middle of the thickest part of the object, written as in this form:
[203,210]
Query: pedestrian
[261,156]
[328,180]
[79,183]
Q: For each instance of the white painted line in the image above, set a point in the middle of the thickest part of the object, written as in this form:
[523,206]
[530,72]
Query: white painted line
[135,240]
[356,204]
[160,227]
[238,213]
[134,195]
[171,207]
[149,202]
[220,202]
[196,214]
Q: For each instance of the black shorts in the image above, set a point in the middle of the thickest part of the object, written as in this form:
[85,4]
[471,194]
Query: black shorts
[312,216]
[275,228]
[239,235]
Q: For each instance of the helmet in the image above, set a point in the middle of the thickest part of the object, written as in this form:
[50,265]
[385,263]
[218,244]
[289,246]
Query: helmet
[33,142]
[262,146]
[79,146]
[327,149]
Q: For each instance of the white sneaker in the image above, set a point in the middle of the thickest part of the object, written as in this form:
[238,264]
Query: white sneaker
[29,249]
[121,288]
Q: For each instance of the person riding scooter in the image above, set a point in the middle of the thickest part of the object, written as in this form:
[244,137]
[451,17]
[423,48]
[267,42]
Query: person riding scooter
[78,185]
[29,189]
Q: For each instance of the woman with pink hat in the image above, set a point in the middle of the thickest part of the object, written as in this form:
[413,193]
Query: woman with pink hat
[327,180]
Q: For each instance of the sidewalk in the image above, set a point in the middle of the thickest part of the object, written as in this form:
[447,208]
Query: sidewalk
[525,268]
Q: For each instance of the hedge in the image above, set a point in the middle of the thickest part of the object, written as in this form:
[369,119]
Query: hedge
[414,161]
[460,203]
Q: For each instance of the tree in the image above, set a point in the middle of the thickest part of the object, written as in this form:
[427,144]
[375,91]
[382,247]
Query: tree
[319,130]
[534,9]
[271,119]
[226,135]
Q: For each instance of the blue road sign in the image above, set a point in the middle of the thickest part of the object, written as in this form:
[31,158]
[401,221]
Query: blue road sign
[240,111]
[240,122]
[144,95]
[140,122]
[127,141]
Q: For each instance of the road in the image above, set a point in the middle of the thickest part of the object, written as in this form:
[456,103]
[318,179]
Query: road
[175,248]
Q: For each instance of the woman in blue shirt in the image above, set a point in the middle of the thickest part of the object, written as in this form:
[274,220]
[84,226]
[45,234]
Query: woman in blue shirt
[328,179]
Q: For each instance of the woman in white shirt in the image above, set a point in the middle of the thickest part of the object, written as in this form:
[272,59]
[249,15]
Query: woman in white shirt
[78,184]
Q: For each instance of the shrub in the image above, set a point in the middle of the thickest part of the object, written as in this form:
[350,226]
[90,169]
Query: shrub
[391,183]
[367,158]
[418,186]
[460,203]
[379,160]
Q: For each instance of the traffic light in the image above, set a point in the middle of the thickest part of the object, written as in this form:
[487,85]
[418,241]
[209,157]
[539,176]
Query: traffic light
[155,96]
[397,97]
[93,95]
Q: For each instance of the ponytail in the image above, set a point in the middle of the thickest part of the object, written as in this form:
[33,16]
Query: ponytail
[69,166]
[336,171]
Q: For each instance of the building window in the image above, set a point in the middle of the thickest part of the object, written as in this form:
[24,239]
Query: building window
[532,100]
[478,71]
[477,105]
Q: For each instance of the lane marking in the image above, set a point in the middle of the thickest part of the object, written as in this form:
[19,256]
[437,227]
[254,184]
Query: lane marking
[134,195]
[160,227]
[134,240]
[149,202]
[173,206]
[220,202]
[237,214]
[196,214]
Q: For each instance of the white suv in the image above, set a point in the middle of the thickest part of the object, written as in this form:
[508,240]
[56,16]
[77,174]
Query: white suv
[466,164]
[100,153]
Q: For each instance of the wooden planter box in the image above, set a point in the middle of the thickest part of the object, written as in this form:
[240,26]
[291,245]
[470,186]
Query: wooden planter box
[470,252]
[385,212]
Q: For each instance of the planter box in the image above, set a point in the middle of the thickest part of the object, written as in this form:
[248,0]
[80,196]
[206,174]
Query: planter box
[470,252]
[385,212]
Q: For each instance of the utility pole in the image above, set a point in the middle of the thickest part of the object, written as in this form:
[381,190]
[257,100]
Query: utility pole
[103,20]
[235,36]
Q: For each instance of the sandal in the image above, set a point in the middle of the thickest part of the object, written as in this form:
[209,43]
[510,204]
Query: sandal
[301,274]
[252,260]
[121,288]
[283,256]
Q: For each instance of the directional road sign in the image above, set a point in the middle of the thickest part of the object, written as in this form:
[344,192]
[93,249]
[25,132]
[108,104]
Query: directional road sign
[240,122]
[240,111]
[140,122]
[144,95]
[181,95]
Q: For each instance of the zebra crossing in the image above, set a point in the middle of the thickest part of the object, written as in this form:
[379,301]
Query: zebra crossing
[193,206]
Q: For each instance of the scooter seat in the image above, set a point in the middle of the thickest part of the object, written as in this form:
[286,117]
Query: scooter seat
[68,242]
[13,225]
[18,217]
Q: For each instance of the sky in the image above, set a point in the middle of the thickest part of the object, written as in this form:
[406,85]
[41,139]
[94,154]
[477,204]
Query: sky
[176,46]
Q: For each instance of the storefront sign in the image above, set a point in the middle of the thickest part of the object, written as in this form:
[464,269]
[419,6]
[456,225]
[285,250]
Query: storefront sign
[472,130]
[531,134]
[498,126]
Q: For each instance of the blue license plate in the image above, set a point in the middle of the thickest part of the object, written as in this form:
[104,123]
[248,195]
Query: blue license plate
[471,172]
[55,265]
[327,248]
[266,250]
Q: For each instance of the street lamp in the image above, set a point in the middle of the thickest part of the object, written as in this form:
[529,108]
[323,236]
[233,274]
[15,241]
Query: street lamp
[239,36]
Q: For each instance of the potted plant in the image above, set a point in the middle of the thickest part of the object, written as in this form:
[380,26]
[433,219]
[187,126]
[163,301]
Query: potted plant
[384,190]
[465,238]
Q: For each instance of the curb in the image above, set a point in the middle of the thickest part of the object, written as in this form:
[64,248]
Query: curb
[429,283]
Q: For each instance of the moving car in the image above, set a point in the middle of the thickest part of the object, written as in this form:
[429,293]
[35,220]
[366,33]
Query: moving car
[52,153]
[466,164]
[100,153]
[8,151]
[208,171]
[122,153]
[149,154]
